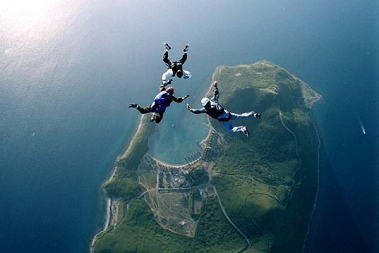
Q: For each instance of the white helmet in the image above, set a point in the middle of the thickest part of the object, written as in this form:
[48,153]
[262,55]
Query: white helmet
[204,101]
[186,74]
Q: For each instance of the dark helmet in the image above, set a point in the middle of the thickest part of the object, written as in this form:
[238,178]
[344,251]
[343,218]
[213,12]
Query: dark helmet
[170,90]
[179,73]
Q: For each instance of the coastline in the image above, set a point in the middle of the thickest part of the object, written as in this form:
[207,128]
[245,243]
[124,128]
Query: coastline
[113,205]
[113,211]
[106,226]
[306,239]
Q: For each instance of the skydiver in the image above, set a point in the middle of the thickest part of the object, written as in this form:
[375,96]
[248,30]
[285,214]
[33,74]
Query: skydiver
[216,111]
[161,101]
[174,68]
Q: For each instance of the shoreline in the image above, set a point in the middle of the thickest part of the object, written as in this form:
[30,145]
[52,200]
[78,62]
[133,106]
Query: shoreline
[113,207]
[314,208]
[106,226]
[112,210]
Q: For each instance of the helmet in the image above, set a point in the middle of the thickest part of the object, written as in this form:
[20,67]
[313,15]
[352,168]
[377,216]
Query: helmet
[186,74]
[204,101]
[170,90]
[179,73]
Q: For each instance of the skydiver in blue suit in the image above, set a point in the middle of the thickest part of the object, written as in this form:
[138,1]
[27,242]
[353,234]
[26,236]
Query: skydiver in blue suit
[161,101]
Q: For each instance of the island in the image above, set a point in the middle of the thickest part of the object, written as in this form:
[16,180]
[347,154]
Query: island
[238,194]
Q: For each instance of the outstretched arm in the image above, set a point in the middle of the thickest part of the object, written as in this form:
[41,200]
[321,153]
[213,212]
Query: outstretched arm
[196,111]
[179,100]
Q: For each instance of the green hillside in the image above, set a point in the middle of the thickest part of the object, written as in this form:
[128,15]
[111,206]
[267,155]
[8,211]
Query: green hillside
[252,194]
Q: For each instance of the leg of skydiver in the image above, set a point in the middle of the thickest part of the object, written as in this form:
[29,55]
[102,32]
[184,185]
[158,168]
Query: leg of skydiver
[157,117]
[228,126]
[244,115]
[165,59]
[184,58]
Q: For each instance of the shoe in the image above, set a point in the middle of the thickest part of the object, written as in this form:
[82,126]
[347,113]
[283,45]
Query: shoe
[167,46]
[165,83]
[257,115]
[186,48]
[245,131]
[132,105]
[153,117]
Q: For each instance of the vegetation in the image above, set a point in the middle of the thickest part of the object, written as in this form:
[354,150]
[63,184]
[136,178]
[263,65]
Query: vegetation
[251,194]
[124,183]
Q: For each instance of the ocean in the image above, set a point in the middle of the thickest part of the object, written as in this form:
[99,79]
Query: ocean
[69,69]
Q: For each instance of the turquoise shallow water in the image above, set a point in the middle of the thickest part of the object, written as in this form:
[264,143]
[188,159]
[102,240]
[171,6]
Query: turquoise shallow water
[68,73]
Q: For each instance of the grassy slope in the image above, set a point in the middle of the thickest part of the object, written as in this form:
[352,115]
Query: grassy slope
[275,156]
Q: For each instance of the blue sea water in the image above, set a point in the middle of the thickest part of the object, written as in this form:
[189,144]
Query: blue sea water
[69,68]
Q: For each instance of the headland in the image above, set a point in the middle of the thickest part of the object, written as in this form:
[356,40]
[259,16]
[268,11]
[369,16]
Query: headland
[238,194]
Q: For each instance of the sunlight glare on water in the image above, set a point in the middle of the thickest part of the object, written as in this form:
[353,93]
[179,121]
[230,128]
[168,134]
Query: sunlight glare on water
[26,12]
[30,30]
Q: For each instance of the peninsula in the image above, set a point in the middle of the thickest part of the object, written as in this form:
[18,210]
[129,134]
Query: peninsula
[238,194]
